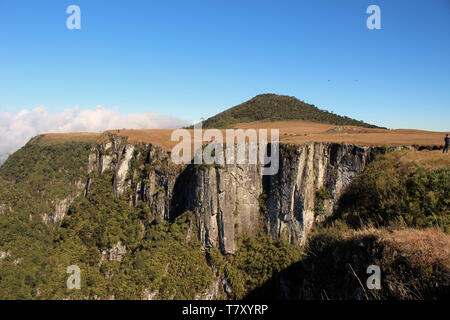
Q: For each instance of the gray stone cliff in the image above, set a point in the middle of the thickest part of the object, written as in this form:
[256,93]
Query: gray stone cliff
[234,200]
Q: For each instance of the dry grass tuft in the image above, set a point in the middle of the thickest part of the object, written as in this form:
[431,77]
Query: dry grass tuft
[422,247]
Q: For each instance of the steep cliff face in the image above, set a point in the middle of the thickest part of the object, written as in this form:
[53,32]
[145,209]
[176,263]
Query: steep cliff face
[234,200]
[225,200]
[292,200]
[61,207]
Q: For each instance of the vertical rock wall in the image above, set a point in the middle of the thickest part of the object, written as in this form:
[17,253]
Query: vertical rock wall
[234,200]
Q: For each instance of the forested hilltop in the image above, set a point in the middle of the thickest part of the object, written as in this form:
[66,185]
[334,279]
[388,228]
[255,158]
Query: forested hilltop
[273,107]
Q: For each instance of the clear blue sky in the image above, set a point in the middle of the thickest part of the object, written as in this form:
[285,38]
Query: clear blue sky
[192,59]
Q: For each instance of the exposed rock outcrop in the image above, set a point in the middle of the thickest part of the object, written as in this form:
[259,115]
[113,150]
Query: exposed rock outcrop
[217,290]
[117,252]
[120,185]
[4,254]
[62,206]
[291,194]
[150,295]
[233,200]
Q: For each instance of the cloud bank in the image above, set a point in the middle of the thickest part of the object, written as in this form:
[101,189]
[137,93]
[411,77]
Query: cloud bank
[17,129]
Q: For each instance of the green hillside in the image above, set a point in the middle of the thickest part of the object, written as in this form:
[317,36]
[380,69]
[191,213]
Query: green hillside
[273,107]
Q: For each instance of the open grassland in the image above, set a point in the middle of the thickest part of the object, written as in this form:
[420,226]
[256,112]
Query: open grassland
[427,159]
[290,132]
[302,131]
[61,138]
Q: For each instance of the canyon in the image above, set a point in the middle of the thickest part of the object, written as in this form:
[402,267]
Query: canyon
[230,201]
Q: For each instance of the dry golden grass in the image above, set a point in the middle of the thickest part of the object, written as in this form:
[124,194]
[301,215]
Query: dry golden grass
[296,132]
[292,132]
[428,159]
[159,137]
[302,131]
[68,137]
[422,247]
[415,263]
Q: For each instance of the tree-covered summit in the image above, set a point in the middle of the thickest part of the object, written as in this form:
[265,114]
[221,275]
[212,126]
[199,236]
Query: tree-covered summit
[273,107]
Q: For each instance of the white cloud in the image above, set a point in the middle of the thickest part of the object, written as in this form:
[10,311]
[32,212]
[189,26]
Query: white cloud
[17,129]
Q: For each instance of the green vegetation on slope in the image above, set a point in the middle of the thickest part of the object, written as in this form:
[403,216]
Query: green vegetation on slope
[46,169]
[31,180]
[157,258]
[162,258]
[391,191]
[24,240]
[256,261]
[272,107]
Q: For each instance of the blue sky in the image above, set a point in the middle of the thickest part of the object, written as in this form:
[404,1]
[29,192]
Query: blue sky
[192,59]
